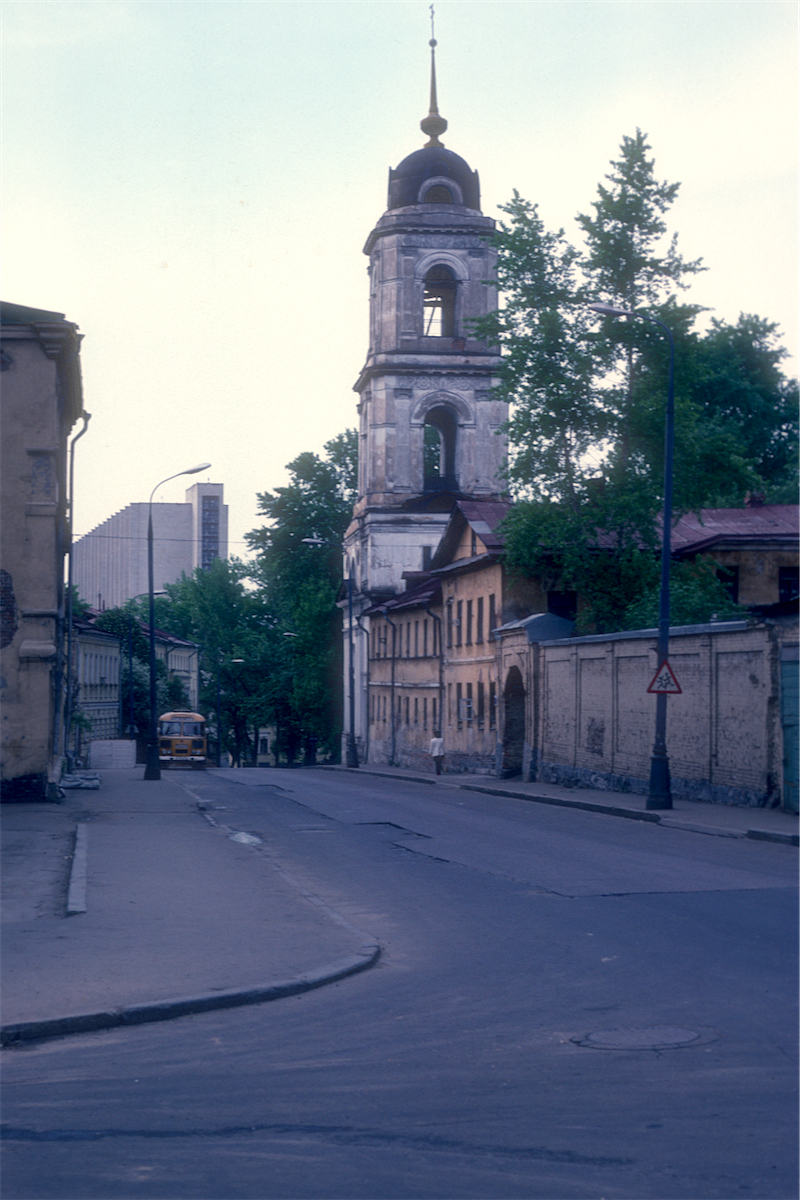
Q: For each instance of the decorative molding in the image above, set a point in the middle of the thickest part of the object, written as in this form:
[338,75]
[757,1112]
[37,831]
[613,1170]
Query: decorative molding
[435,400]
[441,181]
[455,383]
[37,650]
[53,337]
[442,256]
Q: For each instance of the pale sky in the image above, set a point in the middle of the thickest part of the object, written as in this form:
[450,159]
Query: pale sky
[193,182]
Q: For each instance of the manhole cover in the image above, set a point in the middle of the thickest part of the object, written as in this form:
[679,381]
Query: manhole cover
[657,1037]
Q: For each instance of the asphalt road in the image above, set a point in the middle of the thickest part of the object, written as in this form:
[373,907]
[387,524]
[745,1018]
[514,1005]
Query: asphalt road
[511,931]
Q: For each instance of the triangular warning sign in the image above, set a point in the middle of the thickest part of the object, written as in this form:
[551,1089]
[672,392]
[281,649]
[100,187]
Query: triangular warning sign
[664,681]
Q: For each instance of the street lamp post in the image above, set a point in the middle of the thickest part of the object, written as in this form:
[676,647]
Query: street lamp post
[131,728]
[152,768]
[660,793]
[351,758]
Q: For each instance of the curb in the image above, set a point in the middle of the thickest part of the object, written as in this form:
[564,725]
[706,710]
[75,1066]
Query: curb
[610,810]
[167,1010]
[431,779]
[768,835]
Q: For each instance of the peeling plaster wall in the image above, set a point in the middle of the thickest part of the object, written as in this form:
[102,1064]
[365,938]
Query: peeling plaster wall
[724,739]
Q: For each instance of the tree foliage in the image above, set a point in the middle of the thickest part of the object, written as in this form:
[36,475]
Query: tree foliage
[240,651]
[627,262]
[587,396]
[270,631]
[549,368]
[125,622]
[300,584]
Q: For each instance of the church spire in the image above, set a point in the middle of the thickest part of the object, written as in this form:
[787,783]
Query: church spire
[433,124]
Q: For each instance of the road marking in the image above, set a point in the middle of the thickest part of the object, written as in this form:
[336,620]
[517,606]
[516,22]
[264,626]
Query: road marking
[76,896]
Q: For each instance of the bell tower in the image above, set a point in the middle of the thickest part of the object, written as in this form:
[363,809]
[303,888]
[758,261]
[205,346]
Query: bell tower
[430,429]
[429,425]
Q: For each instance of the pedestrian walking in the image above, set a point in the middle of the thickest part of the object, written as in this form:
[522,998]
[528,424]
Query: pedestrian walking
[437,750]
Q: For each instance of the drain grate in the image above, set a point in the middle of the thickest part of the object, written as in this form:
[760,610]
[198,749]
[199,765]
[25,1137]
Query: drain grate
[657,1037]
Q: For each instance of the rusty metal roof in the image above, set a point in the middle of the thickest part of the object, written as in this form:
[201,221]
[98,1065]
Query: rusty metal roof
[776,523]
[416,597]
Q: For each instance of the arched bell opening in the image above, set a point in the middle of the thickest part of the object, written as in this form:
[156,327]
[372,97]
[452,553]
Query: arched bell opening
[439,303]
[439,450]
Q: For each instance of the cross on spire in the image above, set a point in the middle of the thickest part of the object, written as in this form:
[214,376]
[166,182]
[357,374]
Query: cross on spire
[433,124]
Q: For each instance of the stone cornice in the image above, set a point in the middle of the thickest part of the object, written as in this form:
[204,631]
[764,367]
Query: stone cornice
[486,362]
[422,220]
[61,343]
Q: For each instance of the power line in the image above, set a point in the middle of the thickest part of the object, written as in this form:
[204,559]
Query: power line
[124,537]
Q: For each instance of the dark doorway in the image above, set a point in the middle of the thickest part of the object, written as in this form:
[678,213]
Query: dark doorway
[513,724]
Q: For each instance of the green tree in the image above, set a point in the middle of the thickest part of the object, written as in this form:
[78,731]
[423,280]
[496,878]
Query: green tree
[79,605]
[317,502]
[588,398]
[125,622]
[632,262]
[300,585]
[549,366]
[739,392]
[239,647]
[628,263]
[696,595]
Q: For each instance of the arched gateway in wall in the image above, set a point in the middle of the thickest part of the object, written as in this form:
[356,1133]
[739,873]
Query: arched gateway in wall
[513,723]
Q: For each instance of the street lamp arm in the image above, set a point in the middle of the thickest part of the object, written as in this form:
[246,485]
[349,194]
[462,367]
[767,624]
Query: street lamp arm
[191,471]
[610,310]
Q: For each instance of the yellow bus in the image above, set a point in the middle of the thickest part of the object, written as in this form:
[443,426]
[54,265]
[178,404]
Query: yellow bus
[182,739]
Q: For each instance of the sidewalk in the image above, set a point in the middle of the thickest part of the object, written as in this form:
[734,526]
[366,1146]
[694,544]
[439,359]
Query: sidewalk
[125,905]
[720,820]
[165,914]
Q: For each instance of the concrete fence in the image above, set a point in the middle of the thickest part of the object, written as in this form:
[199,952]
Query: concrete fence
[591,721]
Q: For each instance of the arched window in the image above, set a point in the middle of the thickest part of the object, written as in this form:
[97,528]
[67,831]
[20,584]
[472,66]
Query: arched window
[439,450]
[439,194]
[439,303]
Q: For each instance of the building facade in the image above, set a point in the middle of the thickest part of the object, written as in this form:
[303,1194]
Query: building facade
[110,562]
[42,398]
[587,720]
[95,700]
[444,638]
[488,659]
[754,550]
[182,660]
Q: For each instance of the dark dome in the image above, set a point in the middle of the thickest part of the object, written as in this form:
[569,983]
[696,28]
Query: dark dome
[407,182]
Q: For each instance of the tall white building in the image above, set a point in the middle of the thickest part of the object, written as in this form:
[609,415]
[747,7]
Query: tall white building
[110,562]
